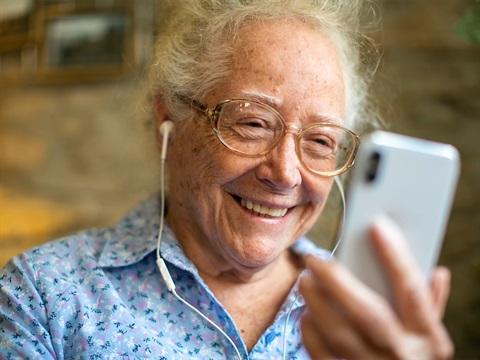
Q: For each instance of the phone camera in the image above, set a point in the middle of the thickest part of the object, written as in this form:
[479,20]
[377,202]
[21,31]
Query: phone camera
[372,167]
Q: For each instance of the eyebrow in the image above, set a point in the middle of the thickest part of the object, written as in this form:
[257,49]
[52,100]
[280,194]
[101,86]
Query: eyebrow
[276,103]
[327,118]
[263,98]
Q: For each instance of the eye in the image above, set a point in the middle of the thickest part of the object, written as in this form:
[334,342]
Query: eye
[322,140]
[318,142]
[247,124]
[252,122]
[252,128]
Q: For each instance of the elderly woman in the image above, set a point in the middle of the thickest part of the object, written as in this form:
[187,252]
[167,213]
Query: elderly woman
[254,103]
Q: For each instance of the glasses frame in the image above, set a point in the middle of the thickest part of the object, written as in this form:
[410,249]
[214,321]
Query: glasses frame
[213,116]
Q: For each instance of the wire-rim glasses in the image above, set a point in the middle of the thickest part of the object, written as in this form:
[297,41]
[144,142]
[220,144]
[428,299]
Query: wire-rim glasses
[251,128]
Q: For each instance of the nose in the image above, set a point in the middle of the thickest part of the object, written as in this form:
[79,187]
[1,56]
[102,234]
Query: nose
[281,168]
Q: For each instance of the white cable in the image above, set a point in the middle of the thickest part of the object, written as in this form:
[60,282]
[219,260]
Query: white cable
[344,215]
[162,206]
[339,238]
[163,267]
[209,321]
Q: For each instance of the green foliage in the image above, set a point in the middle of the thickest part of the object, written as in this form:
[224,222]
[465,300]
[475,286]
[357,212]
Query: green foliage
[468,27]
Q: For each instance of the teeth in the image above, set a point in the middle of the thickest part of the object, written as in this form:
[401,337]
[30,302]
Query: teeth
[263,210]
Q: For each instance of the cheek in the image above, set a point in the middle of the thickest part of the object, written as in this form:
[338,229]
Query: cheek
[189,162]
[199,162]
[319,190]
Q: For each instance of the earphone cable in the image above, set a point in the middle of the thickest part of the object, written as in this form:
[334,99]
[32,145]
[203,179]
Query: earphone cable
[337,243]
[163,267]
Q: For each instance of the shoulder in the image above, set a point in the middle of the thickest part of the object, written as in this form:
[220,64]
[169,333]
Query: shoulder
[87,250]
[48,265]
[85,244]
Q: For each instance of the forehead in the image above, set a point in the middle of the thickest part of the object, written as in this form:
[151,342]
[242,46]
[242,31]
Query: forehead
[286,38]
[287,61]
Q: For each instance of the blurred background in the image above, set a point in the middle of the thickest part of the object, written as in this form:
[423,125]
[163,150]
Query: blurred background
[75,151]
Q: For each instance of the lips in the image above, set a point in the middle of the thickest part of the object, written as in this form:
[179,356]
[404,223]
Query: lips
[262,210]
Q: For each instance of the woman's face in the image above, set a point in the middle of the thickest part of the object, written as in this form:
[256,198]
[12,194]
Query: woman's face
[299,71]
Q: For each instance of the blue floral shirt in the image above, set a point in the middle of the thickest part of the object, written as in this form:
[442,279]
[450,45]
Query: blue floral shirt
[99,295]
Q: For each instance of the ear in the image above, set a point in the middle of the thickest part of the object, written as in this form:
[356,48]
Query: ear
[161,114]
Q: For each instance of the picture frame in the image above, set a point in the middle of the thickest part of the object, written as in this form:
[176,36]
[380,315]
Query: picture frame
[84,43]
[14,43]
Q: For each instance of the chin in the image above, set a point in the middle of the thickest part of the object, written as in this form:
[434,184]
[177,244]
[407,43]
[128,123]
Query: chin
[259,254]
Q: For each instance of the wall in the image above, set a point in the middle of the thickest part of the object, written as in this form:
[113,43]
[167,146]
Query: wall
[75,156]
[434,80]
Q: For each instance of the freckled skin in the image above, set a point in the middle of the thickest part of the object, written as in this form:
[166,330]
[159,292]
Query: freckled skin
[300,70]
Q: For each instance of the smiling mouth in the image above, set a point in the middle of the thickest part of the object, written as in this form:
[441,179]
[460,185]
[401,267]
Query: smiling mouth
[262,210]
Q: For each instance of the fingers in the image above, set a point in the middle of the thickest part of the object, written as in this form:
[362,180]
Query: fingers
[333,327]
[341,309]
[312,341]
[346,319]
[412,301]
[440,290]
[419,308]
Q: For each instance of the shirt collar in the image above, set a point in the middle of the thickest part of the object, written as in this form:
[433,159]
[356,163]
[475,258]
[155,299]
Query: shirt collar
[133,237]
[136,235]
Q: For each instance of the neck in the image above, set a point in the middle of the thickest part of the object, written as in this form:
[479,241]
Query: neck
[254,303]
[252,295]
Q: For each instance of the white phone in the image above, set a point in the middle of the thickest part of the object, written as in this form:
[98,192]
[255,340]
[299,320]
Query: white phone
[410,180]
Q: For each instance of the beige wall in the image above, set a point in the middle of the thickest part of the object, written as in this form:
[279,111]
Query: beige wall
[75,156]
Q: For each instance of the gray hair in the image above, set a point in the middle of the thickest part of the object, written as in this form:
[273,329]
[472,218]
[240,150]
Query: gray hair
[194,52]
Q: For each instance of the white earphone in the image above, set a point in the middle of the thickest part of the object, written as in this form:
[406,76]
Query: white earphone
[165,129]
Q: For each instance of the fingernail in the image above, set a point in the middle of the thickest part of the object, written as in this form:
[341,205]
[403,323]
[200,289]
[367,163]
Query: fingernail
[383,221]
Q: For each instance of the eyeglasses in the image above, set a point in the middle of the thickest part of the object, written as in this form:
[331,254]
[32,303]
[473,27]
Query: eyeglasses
[253,129]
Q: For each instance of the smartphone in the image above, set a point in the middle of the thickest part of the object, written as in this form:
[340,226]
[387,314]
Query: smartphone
[410,180]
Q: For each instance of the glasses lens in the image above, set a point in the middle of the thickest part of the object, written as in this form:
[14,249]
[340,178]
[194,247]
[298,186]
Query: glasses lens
[248,127]
[252,128]
[326,148]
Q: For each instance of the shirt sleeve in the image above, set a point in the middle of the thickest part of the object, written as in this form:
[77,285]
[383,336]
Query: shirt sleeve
[24,329]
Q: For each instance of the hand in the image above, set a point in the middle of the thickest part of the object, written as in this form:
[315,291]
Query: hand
[345,319]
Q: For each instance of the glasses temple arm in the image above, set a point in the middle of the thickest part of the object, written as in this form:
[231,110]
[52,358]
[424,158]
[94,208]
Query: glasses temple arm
[193,103]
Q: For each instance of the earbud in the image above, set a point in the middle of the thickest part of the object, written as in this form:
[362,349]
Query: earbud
[165,130]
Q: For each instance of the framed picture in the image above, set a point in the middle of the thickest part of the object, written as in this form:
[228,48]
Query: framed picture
[84,43]
[14,40]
